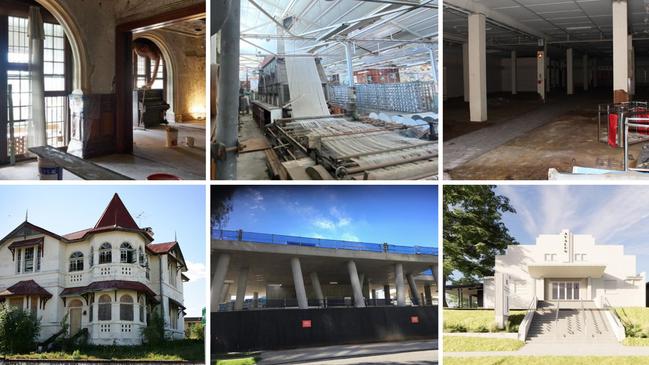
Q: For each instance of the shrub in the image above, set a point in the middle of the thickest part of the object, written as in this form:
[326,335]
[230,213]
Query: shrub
[154,332]
[197,332]
[19,330]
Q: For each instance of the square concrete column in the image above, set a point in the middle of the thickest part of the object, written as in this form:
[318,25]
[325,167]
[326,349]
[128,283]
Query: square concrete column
[584,69]
[414,294]
[399,282]
[242,282]
[428,294]
[359,301]
[477,68]
[513,72]
[570,86]
[315,283]
[620,51]
[631,66]
[540,74]
[548,80]
[255,300]
[348,57]
[218,280]
[298,282]
[386,293]
[225,293]
[465,70]
[373,291]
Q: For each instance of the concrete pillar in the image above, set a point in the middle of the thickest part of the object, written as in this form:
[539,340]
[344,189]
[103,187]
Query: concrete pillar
[359,301]
[401,292]
[227,118]
[513,72]
[373,294]
[540,74]
[465,70]
[218,280]
[414,295]
[361,279]
[584,69]
[386,293]
[317,289]
[569,82]
[477,68]
[428,294]
[631,66]
[242,282]
[225,293]
[620,51]
[350,70]
[298,282]
[255,300]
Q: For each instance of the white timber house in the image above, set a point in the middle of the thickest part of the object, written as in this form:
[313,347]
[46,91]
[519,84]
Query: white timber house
[565,269]
[108,279]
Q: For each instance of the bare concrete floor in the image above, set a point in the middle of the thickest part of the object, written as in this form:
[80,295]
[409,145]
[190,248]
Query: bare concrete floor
[251,165]
[149,156]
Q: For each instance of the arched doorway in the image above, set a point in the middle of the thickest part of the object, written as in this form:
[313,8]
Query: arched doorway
[169,64]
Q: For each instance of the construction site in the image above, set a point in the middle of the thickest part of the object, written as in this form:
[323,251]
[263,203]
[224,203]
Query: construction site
[539,89]
[324,90]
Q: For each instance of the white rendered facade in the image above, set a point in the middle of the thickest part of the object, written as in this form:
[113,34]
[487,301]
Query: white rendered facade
[107,279]
[567,268]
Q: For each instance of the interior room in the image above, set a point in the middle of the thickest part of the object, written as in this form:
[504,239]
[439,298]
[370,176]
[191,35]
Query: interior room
[544,89]
[324,90]
[102,90]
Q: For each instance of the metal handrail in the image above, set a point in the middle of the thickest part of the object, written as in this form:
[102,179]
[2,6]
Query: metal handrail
[607,305]
[583,316]
[628,122]
[556,318]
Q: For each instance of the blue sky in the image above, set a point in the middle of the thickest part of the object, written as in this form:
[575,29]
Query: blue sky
[612,214]
[404,215]
[167,209]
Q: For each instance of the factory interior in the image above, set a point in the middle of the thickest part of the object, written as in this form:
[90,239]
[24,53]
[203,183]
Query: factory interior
[537,90]
[324,90]
[102,90]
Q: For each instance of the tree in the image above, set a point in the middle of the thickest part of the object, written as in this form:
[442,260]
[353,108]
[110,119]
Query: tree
[19,330]
[221,204]
[473,232]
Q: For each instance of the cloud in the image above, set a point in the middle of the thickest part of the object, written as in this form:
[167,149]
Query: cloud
[324,223]
[196,270]
[350,237]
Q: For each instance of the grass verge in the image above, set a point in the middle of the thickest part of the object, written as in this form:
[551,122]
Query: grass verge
[478,320]
[461,343]
[548,360]
[244,361]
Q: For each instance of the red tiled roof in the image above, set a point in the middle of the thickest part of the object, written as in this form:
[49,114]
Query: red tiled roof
[161,247]
[27,287]
[77,235]
[107,285]
[116,215]
[26,243]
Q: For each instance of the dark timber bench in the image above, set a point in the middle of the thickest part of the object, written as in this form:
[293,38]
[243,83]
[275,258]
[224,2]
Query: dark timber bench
[84,169]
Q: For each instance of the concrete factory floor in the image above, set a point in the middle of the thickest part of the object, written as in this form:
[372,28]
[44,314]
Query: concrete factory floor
[251,165]
[149,156]
[561,134]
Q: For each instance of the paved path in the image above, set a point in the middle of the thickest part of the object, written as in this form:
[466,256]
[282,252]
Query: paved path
[555,349]
[407,358]
[345,352]
[462,149]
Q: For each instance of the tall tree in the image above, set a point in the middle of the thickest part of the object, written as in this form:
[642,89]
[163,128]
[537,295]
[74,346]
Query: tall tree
[473,231]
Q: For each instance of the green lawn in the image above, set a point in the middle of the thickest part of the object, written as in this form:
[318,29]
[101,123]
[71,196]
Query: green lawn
[548,360]
[190,350]
[478,320]
[636,324]
[461,343]
[245,361]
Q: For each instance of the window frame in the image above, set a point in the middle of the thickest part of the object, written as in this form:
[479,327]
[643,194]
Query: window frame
[105,253]
[126,308]
[101,308]
[76,261]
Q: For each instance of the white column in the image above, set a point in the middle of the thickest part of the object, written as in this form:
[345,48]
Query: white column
[465,70]
[298,281]
[414,295]
[350,69]
[620,49]
[359,301]
[433,66]
[569,84]
[218,279]
[315,283]
[398,278]
[225,292]
[241,288]
[477,68]
[513,72]
[540,74]
[584,69]
[631,66]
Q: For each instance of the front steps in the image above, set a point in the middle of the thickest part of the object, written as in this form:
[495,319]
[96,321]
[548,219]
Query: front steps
[573,324]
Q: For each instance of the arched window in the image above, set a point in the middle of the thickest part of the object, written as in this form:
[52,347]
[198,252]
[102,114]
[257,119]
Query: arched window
[126,308]
[92,257]
[105,253]
[141,309]
[127,253]
[76,261]
[104,308]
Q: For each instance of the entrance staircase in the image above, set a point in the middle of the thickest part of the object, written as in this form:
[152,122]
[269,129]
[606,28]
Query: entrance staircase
[574,322]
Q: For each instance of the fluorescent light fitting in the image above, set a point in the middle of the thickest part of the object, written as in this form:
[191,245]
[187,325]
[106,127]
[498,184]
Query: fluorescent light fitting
[579,27]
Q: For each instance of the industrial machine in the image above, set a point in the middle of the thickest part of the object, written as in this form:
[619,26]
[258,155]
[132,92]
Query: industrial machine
[151,108]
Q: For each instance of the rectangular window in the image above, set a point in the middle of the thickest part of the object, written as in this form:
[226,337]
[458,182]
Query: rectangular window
[38,258]
[548,257]
[54,57]
[19,253]
[158,82]
[562,290]
[141,72]
[29,259]
[576,290]
[18,40]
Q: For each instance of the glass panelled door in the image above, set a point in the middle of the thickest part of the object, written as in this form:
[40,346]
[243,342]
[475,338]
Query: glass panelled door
[565,290]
